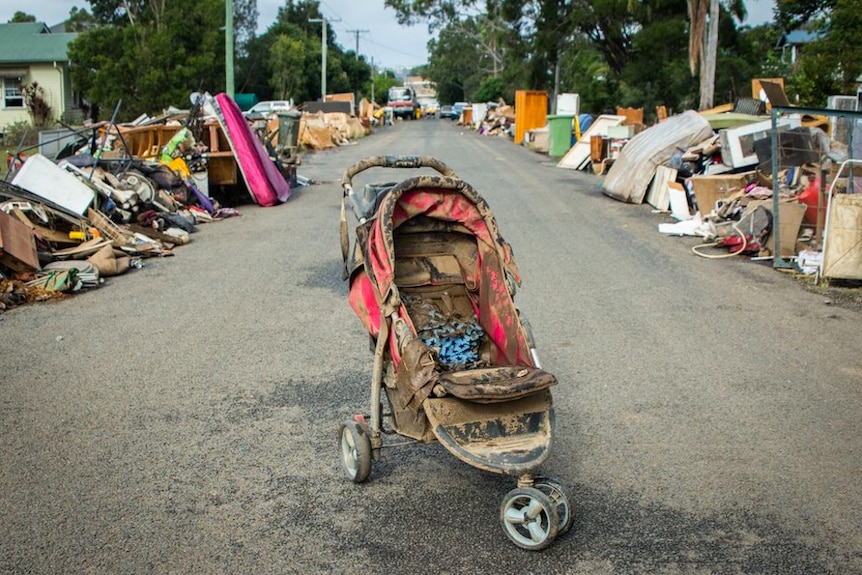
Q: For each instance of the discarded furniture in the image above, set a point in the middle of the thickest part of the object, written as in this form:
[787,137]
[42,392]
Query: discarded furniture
[531,110]
[634,168]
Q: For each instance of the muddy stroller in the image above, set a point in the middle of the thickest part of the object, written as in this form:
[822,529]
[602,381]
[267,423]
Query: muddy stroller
[433,282]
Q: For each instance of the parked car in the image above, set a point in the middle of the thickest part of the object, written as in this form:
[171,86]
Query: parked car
[448,112]
[269,107]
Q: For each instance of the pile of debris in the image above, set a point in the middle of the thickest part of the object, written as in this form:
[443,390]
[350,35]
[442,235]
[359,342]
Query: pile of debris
[117,195]
[67,226]
[497,121]
[733,180]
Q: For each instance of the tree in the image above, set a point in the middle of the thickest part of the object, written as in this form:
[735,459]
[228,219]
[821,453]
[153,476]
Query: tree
[149,54]
[611,52]
[260,71]
[286,58]
[455,62]
[245,16]
[382,81]
[832,63]
[80,20]
[20,17]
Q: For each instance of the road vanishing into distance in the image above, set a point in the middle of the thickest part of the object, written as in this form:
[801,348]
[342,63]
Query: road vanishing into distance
[183,418]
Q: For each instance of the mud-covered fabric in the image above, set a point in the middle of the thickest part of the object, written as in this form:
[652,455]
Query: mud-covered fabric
[415,375]
[496,384]
[451,200]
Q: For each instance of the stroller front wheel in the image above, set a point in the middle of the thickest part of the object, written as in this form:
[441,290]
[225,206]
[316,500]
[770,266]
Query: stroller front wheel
[529,518]
[355,450]
[556,492]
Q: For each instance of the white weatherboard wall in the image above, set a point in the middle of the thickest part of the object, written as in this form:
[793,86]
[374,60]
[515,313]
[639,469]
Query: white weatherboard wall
[51,80]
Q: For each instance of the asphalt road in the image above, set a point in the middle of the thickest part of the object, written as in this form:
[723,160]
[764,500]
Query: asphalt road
[183,417]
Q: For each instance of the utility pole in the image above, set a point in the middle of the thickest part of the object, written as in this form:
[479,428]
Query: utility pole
[357,33]
[322,56]
[228,47]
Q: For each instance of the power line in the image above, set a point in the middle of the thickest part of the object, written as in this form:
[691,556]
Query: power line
[403,53]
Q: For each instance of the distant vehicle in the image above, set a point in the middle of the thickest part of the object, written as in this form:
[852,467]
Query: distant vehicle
[459,107]
[403,102]
[269,107]
[430,108]
[448,112]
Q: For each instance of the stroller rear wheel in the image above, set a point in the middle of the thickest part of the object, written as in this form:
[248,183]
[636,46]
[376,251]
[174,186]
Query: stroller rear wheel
[529,518]
[355,450]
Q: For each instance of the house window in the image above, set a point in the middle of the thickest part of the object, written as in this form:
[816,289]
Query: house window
[13,97]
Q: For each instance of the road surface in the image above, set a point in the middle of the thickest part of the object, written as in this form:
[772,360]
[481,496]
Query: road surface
[183,417]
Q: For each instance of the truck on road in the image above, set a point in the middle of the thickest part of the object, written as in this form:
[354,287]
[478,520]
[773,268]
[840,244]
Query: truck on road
[402,100]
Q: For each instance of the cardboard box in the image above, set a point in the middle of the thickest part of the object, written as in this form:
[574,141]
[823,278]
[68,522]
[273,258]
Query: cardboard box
[789,221]
[709,189]
[17,245]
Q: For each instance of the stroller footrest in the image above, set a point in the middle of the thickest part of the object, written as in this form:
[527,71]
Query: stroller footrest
[495,384]
[510,437]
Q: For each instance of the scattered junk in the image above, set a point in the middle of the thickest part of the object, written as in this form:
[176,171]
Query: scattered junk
[630,175]
[114,194]
[453,356]
[714,173]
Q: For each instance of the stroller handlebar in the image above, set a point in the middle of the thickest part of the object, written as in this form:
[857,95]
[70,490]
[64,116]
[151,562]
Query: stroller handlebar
[393,161]
[364,204]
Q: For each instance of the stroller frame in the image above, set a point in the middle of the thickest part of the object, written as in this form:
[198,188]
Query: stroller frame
[495,414]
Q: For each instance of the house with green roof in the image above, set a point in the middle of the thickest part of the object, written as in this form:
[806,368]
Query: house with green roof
[30,52]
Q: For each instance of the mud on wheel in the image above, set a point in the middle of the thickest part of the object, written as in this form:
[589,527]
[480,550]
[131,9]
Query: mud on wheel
[529,518]
[557,492]
[355,450]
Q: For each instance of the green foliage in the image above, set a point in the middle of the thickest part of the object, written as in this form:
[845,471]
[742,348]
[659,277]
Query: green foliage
[382,82]
[456,61]
[156,58]
[34,98]
[80,20]
[491,90]
[831,64]
[286,58]
[20,16]
[262,74]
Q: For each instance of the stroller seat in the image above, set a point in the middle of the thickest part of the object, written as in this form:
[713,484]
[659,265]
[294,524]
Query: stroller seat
[495,384]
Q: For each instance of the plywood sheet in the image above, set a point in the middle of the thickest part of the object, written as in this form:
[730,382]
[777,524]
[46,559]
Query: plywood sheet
[658,196]
[578,156]
[842,249]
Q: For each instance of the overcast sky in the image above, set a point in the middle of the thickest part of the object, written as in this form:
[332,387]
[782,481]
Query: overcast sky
[381,37]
